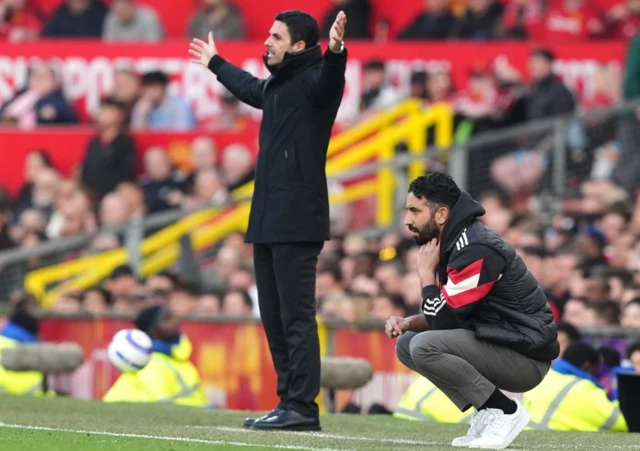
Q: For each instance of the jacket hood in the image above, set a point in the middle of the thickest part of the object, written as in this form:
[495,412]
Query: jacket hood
[463,213]
[293,63]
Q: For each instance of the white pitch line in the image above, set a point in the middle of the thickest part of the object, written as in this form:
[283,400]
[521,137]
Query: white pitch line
[165,438]
[322,435]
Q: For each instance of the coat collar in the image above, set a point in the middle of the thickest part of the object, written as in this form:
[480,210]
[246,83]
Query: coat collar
[293,63]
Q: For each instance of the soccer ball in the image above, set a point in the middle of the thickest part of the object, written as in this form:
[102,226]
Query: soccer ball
[130,350]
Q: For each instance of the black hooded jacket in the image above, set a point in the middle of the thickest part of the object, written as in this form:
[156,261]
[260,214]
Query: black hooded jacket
[299,104]
[486,287]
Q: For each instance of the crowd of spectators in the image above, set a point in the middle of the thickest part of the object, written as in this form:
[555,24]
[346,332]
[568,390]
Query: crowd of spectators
[127,20]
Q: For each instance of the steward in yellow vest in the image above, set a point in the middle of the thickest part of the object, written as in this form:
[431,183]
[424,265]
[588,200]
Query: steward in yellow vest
[570,397]
[22,328]
[169,376]
[424,401]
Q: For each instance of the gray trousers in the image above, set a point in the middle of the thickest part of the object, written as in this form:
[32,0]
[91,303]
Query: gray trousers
[466,369]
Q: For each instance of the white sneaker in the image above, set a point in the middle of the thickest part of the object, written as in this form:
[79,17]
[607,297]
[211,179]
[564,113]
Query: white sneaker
[478,422]
[502,429]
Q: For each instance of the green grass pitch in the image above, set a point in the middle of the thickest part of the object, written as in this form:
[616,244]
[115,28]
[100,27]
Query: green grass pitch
[60,424]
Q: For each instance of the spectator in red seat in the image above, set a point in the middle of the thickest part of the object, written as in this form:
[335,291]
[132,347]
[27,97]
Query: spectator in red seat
[209,305]
[41,103]
[115,210]
[35,162]
[623,20]
[203,157]
[135,198]
[359,14]
[237,303]
[377,93]
[20,20]
[549,96]
[481,21]
[110,156]
[231,116]
[573,20]
[237,166]
[439,87]
[157,109]
[220,17]
[77,19]
[130,22]
[209,189]
[478,102]
[435,22]
[523,19]
[45,187]
[384,306]
[158,182]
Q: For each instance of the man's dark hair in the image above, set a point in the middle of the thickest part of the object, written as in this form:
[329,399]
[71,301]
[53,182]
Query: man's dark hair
[334,270]
[439,189]
[155,77]
[634,301]
[111,101]
[301,26]
[607,310]
[246,299]
[580,353]
[625,276]
[570,330]
[633,347]
[104,293]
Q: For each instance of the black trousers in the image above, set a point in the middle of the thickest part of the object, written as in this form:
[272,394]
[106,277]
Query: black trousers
[286,282]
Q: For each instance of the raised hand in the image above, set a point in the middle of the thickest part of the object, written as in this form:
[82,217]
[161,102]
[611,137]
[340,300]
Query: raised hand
[203,51]
[336,35]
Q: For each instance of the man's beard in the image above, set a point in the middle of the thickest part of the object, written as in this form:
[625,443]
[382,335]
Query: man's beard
[425,233]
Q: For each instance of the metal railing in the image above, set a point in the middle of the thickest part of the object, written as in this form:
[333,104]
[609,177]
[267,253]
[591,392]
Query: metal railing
[470,165]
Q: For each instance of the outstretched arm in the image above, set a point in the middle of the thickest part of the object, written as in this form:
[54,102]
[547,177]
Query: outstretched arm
[328,83]
[242,84]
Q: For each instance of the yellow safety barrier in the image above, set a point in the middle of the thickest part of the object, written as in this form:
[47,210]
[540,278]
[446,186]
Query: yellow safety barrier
[375,139]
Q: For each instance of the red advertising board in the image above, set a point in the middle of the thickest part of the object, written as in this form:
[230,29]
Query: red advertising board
[233,360]
[88,67]
[67,146]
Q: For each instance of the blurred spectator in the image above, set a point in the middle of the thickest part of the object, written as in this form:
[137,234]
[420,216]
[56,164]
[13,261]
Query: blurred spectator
[5,238]
[567,334]
[160,282]
[578,313]
[377,93]
[96,301]
[439,87]
[389,275]
[237,166]
[479,101]
[20,20]
[183,300]
[522,19]
[115,210]
[122,282]
[573,20]
[104,242]
[418,85]
[231,116]
[209,190]
[631,314]
[435,22]
[607,313]
[384,306]
[130,22]
[43,195]
[40,103]
[35,162]
[126,89]
[412,293]
[77,19]
[158,183]
[74,217]
[157,109]
[237,303]
[359,14]
[549,96]
[329,282]
[480,22]
[220,17]
[203,156]
[209,305]
[110,156]
[67,304]
[126,305]
[623,20]
[134,197]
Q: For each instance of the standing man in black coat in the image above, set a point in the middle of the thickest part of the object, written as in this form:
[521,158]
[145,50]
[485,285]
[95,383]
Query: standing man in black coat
[289,219]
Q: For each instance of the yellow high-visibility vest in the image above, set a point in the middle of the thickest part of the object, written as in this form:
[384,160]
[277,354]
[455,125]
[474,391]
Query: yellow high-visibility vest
[424,401]
[164,379]
[565,402]
[20,382]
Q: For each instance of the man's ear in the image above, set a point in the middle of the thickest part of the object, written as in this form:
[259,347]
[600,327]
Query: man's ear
[442,214]
[298,47]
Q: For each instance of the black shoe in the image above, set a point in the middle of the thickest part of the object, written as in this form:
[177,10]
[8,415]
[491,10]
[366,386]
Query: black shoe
[248,422]
[287,420]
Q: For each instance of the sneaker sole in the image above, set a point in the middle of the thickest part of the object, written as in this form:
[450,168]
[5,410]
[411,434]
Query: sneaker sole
[524,421]
[292,428]
[463,444]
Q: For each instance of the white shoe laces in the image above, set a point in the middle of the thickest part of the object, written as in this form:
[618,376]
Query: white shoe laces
[477,423]
[496,424]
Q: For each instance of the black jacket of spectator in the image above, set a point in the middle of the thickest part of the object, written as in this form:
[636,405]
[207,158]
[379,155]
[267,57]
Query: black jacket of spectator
[299,102]
[106,165]
[429,26]
[549,97]
[480,27]
[64,24]
[156,193]
[359,14]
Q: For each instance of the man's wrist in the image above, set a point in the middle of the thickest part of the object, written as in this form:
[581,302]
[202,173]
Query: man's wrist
[337,49]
